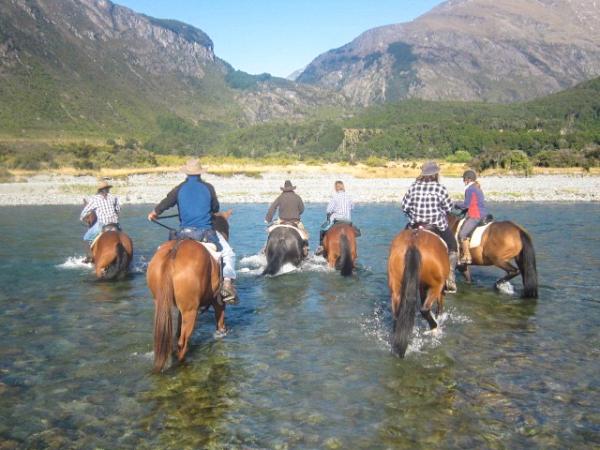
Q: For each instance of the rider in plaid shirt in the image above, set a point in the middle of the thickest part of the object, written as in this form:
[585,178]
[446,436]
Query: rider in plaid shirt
[107,208]
[428,202]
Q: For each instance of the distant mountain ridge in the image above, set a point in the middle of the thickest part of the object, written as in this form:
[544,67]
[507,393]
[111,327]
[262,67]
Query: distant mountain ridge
[92,65]
[475,50]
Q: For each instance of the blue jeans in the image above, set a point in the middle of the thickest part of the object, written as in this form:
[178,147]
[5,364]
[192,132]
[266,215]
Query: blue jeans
[93,232]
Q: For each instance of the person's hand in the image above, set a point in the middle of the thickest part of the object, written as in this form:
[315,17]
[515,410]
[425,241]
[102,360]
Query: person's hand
[152,216]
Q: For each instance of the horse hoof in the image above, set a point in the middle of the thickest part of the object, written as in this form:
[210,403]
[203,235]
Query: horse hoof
[220,334]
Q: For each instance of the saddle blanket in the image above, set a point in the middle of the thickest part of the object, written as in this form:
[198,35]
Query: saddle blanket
[476,235]
[212,249]
[303,234]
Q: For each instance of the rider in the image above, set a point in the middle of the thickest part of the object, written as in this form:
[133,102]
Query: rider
[106,207]
[428,202]
[339,209]
[291,208]
[197,202]
[475,205]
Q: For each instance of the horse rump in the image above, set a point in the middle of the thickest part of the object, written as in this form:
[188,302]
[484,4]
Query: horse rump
[119,265]
[282,246]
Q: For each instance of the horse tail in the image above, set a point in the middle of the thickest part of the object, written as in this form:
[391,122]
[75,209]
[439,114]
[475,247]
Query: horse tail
[163,323]
[119,265]
[405,314]
[277,250]
[345,262]
[527,266]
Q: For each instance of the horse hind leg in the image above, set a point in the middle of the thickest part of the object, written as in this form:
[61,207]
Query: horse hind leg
[511,272]
[433,295]
[187,327]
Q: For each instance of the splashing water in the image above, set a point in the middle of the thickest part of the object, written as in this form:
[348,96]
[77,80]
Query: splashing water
[75,262]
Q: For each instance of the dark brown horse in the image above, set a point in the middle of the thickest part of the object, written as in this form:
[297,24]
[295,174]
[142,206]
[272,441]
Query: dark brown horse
[184,275]
[417,270]
[112,252]
[339,247]
[501,243]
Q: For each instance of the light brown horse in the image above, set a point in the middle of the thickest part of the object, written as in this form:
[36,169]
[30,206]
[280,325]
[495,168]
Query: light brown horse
[417,270]
[184,275]
[501,243]
[112,253]
[339,247]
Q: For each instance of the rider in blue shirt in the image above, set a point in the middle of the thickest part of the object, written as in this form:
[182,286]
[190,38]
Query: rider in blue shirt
[197,202]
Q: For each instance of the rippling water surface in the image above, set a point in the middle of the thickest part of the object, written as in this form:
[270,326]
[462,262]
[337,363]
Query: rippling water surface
[306,362]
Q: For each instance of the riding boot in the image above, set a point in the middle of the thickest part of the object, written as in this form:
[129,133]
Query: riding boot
[466,252]
[229,293]
[451,281]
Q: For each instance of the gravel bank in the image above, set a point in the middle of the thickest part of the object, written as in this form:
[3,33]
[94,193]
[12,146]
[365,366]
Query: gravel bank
[151,188]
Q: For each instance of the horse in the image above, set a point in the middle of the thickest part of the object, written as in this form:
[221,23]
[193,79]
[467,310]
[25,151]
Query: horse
[339,247]
[501,243]
[284,244]
[183,274]
[112,252]
[418,266]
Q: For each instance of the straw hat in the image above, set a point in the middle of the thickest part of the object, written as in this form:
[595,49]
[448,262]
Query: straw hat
[193,167]
[287,186]
[429,168]
[103,184]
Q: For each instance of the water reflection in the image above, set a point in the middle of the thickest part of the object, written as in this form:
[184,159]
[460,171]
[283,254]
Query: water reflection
[306,362]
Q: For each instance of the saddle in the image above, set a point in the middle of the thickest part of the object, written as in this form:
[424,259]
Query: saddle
[426,227]
[477,233]
[207,237]
[290,224]
[111,227]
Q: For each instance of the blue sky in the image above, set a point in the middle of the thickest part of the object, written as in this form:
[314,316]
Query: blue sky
[280,36]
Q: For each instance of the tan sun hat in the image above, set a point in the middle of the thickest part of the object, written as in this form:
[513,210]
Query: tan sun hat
[193,167]
[103,184]
[288,186]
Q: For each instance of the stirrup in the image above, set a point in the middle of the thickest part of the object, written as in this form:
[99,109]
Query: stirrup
[450,288]
[228,296]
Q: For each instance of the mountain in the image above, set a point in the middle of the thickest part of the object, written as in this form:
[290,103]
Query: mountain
[473,50]
[93,67]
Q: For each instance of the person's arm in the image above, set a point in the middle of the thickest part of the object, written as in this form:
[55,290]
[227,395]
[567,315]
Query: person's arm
[91,205]
[300,205]
[117,206]
[272,209]
[169,201]
[405,204]
[214,201]
[331,205]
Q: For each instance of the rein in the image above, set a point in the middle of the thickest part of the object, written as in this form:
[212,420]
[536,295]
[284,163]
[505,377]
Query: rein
[163,225]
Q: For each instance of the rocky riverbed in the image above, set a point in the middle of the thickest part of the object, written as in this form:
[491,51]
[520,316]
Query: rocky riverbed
[48,189]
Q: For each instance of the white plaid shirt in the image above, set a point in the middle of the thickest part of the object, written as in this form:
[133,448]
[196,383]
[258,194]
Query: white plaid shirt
[107,208]
[340,206]
[427,202]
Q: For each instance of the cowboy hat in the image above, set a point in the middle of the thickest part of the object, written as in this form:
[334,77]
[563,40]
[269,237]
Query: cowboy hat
[193,167]
[103,184]
[429,168]
[287,186]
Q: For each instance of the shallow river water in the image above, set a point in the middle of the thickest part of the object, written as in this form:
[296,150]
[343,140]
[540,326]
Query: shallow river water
[307,361]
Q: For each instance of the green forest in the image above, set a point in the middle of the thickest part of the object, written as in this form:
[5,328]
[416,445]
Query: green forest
[560,130]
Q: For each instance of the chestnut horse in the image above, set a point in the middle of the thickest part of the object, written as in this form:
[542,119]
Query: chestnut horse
[183,274]
[339,247]
[501,243]
[417,270]
[112,252]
